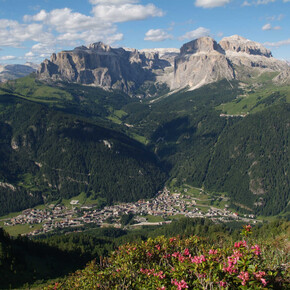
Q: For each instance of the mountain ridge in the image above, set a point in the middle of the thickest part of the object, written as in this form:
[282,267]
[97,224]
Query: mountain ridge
[198,62]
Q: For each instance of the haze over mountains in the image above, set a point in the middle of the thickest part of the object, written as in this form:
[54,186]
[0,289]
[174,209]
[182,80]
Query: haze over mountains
[14,71]
[199,62]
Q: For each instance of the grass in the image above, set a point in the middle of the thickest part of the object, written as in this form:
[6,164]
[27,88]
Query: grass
[81,198]
[10,215]
[154,219]
[120,113]
[139,138]
[255,100]
[176,217]
[31,89]
[21,229]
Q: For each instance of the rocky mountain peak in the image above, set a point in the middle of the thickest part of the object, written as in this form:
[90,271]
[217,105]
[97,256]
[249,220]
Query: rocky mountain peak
[203,44]
[198,62]
[236,43]
[99,46]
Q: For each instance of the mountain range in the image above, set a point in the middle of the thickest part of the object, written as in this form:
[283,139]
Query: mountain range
[197,63]
[118,124]
[14,71]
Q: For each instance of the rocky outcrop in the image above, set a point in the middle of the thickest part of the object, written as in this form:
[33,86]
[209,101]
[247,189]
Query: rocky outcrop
[103,66]
[200,62]
[249,54]
[238,43]
[283,78]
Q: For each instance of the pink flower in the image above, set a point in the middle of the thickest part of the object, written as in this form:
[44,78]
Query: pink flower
[223,284]
[198,259]
[186,252]
[248,228]
[240,244]
[212,252]
[172,240]
[147,272]
[158,247]
[264,282]
[244,276]
[257,250]
[159,275]
[176,254]
[259,274]
[149,254]
[180,285]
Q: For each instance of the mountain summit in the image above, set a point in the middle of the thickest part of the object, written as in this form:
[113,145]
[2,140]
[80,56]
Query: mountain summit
[198,62]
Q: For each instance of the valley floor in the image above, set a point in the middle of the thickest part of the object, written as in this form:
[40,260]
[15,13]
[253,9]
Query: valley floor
[166,206]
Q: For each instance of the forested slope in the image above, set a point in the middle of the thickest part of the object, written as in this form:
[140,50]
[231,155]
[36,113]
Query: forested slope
[48,154]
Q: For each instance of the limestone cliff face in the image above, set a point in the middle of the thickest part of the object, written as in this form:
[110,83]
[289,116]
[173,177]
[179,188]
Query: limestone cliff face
[103,66]
[197,63]
[238,43]
[249,54]
[283,78]
[200,62]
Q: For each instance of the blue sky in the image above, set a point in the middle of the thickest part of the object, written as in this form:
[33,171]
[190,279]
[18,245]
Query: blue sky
[30,30]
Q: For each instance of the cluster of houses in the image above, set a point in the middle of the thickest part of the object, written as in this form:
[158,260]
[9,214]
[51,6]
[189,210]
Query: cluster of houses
[164,205]
[233,116]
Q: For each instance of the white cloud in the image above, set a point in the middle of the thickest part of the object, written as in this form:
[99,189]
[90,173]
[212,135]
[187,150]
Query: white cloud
[278,43]
[268,26]
[285,1]
[211,3]
[14,34]
[8,57]
[246,3]
[29,54]
[53,30]
[115,2]
[264,2]
[126,12]
[157,35]
[71,28]
[258,2]
[199,32]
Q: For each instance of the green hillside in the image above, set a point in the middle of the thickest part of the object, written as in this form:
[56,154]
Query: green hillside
[245,157]
[248,158]
[48,154]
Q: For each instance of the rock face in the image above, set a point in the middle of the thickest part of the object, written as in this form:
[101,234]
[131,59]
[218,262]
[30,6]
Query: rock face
[283,78]
[238,43]
[249,54]
[103,66]
[197,63]
[200,62]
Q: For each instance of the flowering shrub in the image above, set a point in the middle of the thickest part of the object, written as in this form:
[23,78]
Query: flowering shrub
[177,263]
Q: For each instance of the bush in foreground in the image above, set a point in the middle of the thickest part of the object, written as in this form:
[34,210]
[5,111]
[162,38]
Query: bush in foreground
[175,263]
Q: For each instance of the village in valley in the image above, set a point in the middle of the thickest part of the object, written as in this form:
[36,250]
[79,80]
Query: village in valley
[157,211]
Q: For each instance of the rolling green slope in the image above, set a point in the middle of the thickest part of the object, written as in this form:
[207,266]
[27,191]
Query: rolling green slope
[245,157]
[248,158]
[48,154]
